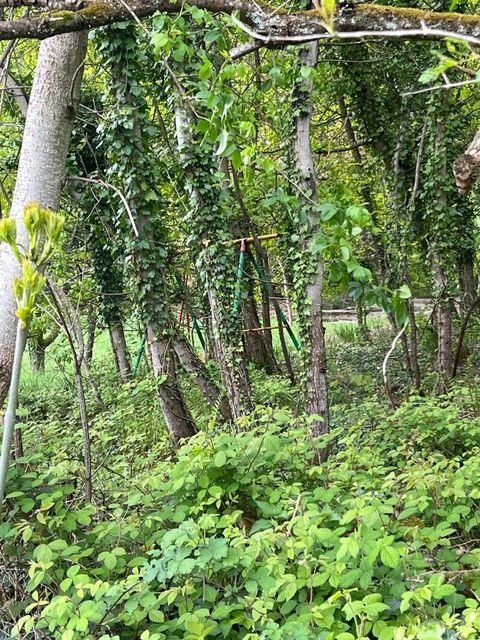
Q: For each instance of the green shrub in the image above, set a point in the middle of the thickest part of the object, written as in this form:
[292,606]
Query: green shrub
[244,538]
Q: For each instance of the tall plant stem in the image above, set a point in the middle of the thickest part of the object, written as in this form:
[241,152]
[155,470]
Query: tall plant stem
[10,414]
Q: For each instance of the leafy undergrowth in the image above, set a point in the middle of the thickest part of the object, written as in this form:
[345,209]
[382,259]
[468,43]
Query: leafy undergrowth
[244,538]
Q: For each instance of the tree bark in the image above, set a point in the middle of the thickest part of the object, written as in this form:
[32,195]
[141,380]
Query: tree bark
[91,331]
[120,351]
[36,351]
[229,356]
[310,312]
[41,169]
[466,168]
[271,27]
[180,423]
[444,325]
[195,367]
[442,285]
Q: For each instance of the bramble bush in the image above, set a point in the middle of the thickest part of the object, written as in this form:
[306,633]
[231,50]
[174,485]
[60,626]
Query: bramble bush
[242,537]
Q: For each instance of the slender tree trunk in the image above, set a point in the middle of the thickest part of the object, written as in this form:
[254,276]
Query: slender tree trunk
[180,423]
[195,367]
[444,325]
[36,351]
[91,331]
[11,413]
[442,285]
[468,282]
[310,315]
[256,349]
[120,351]
[41,169]
[82,402]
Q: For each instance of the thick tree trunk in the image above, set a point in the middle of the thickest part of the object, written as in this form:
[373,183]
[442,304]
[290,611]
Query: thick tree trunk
[180,423]
[229,356]
[195,367]
[41,169]
[313,335]
[234,377]
[152,299]
[120,351]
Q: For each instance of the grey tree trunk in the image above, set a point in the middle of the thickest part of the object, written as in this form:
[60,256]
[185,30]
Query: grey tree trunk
[120,351]
[313,335]
[442,285]
[444,325]
[192,364]
[180,423]
[36,351]
[41,169]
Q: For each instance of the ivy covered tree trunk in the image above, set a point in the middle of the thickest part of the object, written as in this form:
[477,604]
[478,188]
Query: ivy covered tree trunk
[216,261]
[41,169]
[147,244]
[311,297]
[439,266]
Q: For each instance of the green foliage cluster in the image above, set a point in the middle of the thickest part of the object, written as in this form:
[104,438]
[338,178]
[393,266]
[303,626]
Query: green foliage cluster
[243,538]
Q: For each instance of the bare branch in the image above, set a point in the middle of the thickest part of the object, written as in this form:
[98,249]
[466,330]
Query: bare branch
[107,185]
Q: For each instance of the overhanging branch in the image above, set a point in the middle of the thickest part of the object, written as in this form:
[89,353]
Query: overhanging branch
[267,24]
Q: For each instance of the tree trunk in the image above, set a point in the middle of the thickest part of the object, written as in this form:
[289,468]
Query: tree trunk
[41,169]
[120,351]
[91,330]
[256,349]
[36,351]
[468,282]
[234,377]
[228,351]
[180,423]
[442,285]
[149,267]
[195,367]
[310,313]
[444,326]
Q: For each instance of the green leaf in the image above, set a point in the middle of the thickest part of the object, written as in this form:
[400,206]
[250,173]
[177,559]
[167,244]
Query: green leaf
[389,557]
[404,292]
[220,459]
[222,142]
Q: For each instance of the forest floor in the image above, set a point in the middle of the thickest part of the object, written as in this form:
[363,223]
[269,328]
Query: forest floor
[240,523]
